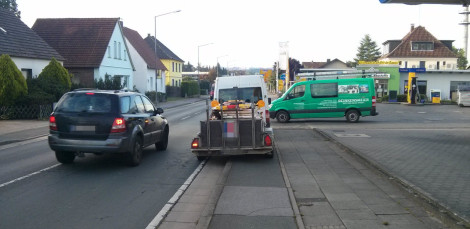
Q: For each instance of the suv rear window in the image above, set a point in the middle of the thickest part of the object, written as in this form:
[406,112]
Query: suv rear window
[86,102]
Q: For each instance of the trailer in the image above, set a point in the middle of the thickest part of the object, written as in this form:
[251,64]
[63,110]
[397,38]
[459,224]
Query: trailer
[463,96]
[233,128]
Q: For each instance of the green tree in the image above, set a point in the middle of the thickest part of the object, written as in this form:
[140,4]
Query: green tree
[12,83]
[55,79]
[461,58]
[11,6]
[294,68]
[367,50]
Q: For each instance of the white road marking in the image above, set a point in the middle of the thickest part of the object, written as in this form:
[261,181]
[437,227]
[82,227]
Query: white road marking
[29,175]
[164,211]
[185,117]
[352,135]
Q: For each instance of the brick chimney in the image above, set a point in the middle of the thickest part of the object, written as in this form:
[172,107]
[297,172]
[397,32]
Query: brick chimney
[412,27]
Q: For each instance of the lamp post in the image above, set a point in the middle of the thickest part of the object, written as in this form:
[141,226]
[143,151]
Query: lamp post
[218,64]
[155,48]
[198,78]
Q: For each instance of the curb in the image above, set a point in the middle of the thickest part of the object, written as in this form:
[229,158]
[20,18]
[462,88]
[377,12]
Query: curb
[437,208]
[21,140]
[295,207]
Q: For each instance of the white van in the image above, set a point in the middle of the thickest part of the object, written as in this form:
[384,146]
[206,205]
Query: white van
[249,88]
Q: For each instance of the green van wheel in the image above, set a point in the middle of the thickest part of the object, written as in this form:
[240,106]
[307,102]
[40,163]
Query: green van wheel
[282,116]
[352,116]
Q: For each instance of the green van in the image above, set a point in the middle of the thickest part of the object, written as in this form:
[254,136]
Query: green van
[351,98]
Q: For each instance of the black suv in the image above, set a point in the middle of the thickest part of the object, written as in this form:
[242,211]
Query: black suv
[102,121]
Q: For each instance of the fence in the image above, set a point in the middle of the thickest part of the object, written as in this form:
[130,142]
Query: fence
[26,112]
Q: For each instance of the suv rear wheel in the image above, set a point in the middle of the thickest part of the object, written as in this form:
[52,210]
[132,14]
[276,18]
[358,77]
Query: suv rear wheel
[163,143]
[65,157]
[135,156]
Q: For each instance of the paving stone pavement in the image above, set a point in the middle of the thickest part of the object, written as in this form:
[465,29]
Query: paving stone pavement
[436,162]
[334,190]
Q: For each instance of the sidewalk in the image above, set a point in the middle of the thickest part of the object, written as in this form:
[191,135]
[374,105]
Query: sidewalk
[20,130]
[325,187]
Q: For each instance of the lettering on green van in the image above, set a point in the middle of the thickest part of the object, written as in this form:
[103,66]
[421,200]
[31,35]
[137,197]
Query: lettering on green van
[351,98]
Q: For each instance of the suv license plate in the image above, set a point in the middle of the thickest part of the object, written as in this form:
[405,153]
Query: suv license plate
[83,128]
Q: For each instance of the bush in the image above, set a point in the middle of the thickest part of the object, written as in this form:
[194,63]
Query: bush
[384,98]
[108,83]
[161,96]
[152,95]
[401,98]
[12,83]
[54,79]
[36,95]
[189,88]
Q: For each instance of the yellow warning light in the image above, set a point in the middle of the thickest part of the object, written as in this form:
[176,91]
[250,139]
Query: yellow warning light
[214,103]
[260,103]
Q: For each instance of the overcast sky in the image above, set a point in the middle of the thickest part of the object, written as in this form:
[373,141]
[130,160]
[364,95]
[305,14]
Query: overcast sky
[249,31]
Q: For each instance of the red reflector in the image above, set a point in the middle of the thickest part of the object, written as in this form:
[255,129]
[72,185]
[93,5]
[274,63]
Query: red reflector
[119,125]
[52,123]
[268,141]
[374,100]
[195,143]
[90,93]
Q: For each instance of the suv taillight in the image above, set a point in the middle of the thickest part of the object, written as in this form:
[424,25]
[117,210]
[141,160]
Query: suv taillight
[52,123]
[195,143]
[119,125]
[374,100]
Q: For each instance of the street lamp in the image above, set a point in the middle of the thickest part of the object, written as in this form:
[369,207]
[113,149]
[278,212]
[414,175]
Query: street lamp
[155,41]
[198,79]
[218,64]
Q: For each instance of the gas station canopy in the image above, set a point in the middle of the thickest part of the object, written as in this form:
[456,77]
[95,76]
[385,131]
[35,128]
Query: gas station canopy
[416,2]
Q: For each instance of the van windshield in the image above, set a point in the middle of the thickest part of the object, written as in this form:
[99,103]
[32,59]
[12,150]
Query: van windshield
[246,94]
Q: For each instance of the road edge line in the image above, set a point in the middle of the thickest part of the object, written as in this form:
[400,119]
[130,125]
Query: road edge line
[172,201]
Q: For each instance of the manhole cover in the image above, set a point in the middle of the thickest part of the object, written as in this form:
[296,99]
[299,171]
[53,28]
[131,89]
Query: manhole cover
[352,135]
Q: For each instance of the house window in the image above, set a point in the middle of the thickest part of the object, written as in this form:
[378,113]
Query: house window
[406,64]
[119,50]
[125,55]
[443,63]
[399,63]
[115,50]
[422,46]
[172,66]
[109,51]
[173,82]
[151,84]
[27,73]
[422,64]
[438,65]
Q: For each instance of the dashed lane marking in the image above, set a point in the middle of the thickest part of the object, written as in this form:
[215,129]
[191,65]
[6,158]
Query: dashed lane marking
[29,175]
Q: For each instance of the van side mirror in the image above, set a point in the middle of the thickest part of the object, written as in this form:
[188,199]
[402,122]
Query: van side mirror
[269,100]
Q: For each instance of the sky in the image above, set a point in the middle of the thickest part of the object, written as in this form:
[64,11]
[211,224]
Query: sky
[247,33]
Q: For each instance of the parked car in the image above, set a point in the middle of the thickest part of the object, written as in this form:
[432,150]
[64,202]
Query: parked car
[104,121]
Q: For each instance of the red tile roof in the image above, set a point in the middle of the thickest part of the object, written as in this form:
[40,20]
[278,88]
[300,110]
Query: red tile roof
[153,62]
[420,34]
[82,41]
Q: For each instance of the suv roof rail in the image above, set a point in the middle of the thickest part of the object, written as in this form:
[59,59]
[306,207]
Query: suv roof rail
[122,90]
[85,89]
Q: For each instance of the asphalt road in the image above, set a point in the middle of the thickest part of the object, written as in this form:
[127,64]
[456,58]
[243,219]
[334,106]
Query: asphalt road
[95,191]
[425,146]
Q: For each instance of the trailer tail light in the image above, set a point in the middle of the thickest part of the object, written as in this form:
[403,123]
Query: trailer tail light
[268,120]
[267,140]
[195,143]
[374,100]
[119,125]
[52,123]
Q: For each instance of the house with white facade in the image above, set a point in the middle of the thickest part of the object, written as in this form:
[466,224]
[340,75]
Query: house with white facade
[29,52]
[420,49]
[92,48]
[149,72]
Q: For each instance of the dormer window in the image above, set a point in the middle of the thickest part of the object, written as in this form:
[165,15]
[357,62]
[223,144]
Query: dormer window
[422,46]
